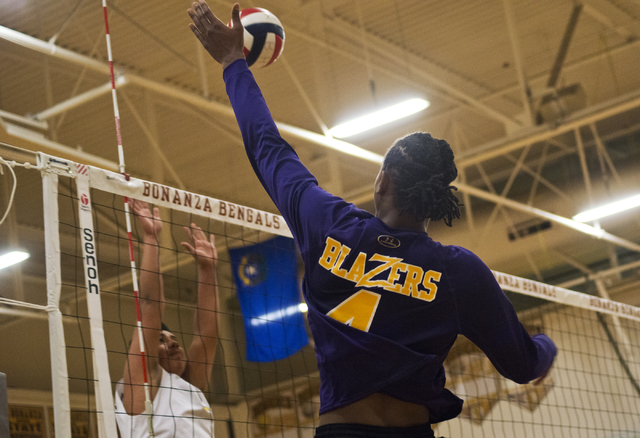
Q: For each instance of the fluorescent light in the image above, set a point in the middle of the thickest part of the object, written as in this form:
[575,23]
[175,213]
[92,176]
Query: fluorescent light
[608,209]
[12,258]
[379,118]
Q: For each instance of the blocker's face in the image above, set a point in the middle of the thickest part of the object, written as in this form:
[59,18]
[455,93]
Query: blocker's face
[171,355]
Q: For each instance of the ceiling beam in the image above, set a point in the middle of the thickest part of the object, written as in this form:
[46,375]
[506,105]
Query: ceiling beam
[23,120]
[591,9]
[545,132]
[601,274]
[52,50]
[525,92]
[598,233]
[415,65]
[22,138]
[305,97]
[564,45]
[153,141]
[77,100]
[540,78]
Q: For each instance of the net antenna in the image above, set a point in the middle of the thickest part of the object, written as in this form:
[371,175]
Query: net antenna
[148,410]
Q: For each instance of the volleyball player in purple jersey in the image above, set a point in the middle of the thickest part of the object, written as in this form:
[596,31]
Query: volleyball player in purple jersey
[386,302]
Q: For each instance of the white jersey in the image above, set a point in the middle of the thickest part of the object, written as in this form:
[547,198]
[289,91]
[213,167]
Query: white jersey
[180,410]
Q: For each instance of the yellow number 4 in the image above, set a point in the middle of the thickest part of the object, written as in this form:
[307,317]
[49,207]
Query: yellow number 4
[357,310]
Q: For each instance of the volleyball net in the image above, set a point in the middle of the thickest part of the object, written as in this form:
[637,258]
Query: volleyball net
[264,381]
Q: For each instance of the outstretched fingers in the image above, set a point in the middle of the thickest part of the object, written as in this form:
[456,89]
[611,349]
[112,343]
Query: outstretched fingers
[135,205]
[203,20]
[195,233]
[149,220]
[224,43]
[189,248]
[202,249]
[207,14]
[140,208]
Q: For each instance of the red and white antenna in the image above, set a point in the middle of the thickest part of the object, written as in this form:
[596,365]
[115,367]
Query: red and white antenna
[147,393]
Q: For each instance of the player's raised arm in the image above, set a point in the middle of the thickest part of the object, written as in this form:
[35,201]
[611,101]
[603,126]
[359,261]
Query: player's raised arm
[205,322]
[151,310]
[274,161]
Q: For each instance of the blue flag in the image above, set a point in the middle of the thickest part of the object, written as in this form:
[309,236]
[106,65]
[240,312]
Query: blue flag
[266,276]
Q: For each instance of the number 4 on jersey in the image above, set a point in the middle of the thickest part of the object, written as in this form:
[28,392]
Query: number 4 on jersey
[357,310]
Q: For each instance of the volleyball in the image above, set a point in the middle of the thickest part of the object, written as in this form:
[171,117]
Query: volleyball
[263,36]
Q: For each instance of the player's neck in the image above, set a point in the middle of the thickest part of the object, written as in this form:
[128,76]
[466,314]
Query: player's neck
[393,219]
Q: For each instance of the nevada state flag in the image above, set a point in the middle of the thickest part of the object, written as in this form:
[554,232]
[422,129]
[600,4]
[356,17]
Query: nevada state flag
[266,277]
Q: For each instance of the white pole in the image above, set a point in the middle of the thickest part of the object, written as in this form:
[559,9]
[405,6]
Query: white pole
[59,376]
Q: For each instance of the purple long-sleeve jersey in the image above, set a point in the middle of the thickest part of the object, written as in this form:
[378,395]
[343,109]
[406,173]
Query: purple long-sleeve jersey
[385,304]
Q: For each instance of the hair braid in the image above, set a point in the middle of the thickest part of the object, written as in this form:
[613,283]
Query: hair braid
[422,169]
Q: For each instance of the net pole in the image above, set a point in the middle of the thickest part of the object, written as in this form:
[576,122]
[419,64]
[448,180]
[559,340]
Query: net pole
[116,112]
[59,374]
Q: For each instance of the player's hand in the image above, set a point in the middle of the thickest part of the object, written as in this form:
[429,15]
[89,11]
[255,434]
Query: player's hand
[151,223]
[203,251]
[224,44]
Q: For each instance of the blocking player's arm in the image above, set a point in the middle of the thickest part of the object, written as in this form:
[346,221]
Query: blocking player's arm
[151,311]
[205,340]
[488,319]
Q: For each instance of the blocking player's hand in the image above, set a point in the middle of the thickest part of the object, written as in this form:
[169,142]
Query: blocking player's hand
[151,223]
[202,249]
[225,44]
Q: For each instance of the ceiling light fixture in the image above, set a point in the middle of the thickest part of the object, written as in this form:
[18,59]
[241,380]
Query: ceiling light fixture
[608,209]
[379,118]
[12,258]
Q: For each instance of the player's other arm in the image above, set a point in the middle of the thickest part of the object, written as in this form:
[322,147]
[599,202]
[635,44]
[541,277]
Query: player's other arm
[488,319]
[205,340]
[151,312]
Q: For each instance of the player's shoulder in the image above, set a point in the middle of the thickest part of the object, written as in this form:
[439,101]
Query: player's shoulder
[349,217]
[461,258]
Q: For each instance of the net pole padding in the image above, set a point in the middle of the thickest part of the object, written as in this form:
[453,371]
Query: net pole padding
[104,400]
[116,112]
[59,375]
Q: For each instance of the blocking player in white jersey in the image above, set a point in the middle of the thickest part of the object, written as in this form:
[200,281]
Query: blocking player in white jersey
[177,379]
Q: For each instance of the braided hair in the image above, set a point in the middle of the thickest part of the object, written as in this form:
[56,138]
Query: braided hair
[422,168]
